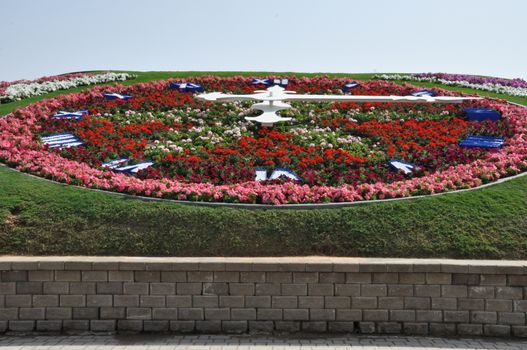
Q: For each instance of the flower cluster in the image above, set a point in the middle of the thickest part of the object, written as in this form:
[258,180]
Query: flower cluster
[512,87]
[207,152]
[24,89]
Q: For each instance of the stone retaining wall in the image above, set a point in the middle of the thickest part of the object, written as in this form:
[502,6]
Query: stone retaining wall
[236,295]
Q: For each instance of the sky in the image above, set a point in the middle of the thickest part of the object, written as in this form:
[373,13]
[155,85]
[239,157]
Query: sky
[47,37]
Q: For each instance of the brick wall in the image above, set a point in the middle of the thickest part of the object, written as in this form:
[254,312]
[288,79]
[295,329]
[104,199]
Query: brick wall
[234,295]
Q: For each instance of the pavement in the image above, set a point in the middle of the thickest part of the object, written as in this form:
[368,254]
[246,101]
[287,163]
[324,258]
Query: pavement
[224,342]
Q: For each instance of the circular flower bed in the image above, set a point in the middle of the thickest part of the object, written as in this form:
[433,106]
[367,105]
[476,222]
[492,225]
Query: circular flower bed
[203,151]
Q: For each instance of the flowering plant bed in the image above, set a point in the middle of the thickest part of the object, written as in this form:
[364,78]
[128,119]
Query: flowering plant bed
[511,87]
[208,152]
[20,89]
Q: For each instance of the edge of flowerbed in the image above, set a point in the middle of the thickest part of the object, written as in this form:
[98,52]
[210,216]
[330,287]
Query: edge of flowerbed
[251,206]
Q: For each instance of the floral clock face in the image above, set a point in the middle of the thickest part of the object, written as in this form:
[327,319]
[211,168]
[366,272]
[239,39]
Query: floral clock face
[203,151]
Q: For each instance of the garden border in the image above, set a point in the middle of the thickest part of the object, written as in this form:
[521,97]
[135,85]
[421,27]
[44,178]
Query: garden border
[311,206]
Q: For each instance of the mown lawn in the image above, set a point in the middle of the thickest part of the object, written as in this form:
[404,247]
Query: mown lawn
[43,218]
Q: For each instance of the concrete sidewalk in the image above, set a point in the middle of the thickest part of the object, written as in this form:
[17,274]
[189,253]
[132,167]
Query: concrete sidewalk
[221,342]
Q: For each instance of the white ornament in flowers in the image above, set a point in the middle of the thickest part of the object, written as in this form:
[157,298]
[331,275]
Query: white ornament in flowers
[273,101]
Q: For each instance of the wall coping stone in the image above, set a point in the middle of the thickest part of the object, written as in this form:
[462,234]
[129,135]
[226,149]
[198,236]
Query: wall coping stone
[269,264]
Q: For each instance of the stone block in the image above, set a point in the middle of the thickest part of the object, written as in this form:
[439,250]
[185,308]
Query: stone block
[358,277]
[205,301]
[41,276]
[165,313]
[391,303]
[155,326]
[58,313]
[293,289]
[67,276]
[179,301]
[279,277]
[139,313]
[496,330]
[261,326]
[215,288]
[121,276]
[258,301]
[182,326]
[402,315]
[136,288]
[373,290]
[173,276]
[109,288]
[284,302]
[306,302]
[85,313]
[130,325]
[162,288]
[31,313]
[363,302]
[29,288]
[417,303]
[349,315]
[269,288]
[234,327]
[241,288]
[470,329]
[233,301]
[352,290]
[332,277]
[21,326]
[45,300]
[49,326]
[314,326]
[252,277]
[428,290]
[243,314]
[102,325]
[296,314]
[82,288]
[498,305]
[190,314]
[269,314]
[217,314]
[227,276]
[208,326]
[112,313]
[375,315]
[456,316]
[94,276]
[126,300]
[147,276]
[337,302]
[188,288]
[389,327]
[385,277]
[400,290]
[438,278]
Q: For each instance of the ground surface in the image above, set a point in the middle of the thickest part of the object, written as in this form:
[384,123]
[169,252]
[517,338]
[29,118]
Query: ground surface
[42,218]
[220,342]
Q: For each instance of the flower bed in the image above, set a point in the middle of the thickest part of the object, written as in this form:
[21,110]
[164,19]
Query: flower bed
[207,152]
[17,90]
[512,87]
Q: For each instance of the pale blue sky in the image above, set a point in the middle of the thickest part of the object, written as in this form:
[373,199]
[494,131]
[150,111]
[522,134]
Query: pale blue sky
[44,37]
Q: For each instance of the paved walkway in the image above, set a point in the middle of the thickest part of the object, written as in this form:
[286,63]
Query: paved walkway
[220,342]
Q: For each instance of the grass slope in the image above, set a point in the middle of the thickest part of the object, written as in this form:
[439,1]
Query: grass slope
[44,218]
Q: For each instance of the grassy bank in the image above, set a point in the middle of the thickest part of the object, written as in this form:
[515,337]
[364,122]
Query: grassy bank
[40,217]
